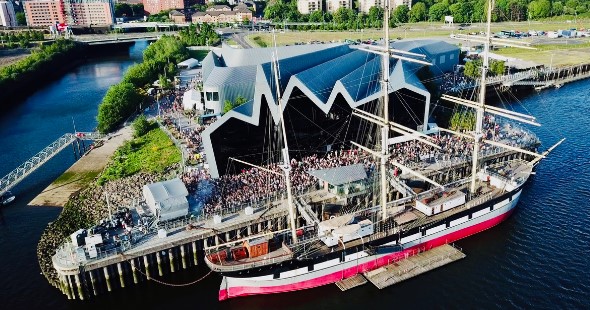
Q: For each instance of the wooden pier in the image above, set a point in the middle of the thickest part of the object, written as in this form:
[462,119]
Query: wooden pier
[351,282]
[412,266]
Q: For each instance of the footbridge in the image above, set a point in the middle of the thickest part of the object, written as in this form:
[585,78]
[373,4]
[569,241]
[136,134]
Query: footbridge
[21,172]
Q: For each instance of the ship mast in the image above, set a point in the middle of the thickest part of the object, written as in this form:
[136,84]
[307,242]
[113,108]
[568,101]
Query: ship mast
[383,121]
[482,98]
[286,167]
[384,126]
[480,106]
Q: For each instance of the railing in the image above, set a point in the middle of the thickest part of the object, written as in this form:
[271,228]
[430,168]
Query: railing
[22,171]
[237,267]
[479,200]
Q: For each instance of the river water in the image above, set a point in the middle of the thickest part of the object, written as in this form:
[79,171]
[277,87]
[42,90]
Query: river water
[538,258]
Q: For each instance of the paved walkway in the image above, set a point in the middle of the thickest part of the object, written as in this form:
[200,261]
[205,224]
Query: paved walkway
[76,177]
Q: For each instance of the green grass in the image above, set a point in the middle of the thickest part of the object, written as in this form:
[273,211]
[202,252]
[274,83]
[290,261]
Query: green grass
[551,54]
[197,54]
[150,153]
[82,178]
[231,42]
[260,41]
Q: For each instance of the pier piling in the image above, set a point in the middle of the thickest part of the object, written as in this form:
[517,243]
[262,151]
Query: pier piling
[171,256]
[93,282]
[195,252]
[66,284]
[107,278]
[120,269]
[134,271]
[147,266]
[159,259]
[71,287]
[183,256]
[79,285]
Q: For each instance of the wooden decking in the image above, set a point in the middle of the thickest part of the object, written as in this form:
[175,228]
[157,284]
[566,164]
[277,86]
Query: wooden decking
[351,282]
[413,266]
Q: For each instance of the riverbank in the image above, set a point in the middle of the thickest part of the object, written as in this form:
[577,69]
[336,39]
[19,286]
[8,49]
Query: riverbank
[43,65]
[82,172]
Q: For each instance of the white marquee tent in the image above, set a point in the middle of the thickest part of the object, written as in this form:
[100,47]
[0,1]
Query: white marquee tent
[168,198]
[192,100]
[188,64]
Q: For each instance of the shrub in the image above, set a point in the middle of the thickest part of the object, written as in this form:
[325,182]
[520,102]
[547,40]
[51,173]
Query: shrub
[141,126]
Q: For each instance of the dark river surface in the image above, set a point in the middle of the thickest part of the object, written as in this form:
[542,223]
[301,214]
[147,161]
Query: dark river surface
[539,258]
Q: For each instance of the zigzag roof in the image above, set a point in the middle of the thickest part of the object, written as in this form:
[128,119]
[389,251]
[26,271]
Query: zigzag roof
[321,76]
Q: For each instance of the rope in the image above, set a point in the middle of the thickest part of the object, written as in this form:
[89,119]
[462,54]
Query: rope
[166,283]
[173,284]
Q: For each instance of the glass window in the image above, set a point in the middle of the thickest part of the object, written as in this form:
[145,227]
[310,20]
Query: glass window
[442,59]
[215,96]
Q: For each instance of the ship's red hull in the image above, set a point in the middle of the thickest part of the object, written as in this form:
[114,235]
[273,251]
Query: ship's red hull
[237,291]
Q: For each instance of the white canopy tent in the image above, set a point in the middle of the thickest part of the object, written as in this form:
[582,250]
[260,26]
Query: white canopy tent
[192,100]
[188,64]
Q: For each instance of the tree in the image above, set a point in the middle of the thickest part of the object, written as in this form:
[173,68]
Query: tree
[497,67]
[240,100]
[460,11]
[438,11]
[316,17]
[473,69]
[123,9]
[540,8]
[557,8]
[418,12]
[137,9]
[141,126]
[479,9]
[21,20]
[119,102]
[401,13]
[278,11]
[227,106]
[344,15]
[164,82]
[375,14]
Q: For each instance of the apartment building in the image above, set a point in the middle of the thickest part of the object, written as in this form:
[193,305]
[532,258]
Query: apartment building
[309,6]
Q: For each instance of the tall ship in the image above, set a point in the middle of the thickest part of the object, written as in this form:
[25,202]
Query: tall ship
[353,225]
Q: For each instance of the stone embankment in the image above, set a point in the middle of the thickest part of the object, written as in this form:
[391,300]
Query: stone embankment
[87,207]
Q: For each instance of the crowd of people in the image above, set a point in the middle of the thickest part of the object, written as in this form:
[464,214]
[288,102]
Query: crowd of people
[253,184]
[455,82]
[454,147]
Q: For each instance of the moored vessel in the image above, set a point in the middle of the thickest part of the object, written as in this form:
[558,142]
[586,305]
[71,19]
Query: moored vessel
[360,238]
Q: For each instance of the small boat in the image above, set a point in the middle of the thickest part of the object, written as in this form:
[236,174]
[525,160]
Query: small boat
[558,85]
[6,198]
